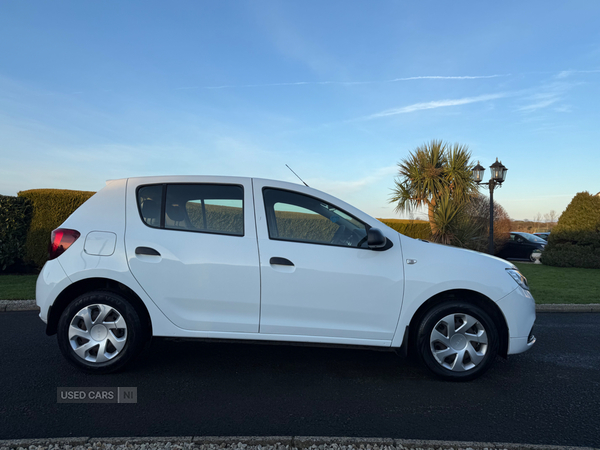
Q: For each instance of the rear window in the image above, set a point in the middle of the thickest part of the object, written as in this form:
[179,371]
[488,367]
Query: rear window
[207,208]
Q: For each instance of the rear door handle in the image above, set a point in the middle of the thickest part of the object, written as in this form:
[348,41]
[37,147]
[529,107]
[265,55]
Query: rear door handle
[281,261]
[146,251]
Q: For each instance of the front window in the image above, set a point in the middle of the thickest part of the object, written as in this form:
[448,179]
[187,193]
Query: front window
[302,218]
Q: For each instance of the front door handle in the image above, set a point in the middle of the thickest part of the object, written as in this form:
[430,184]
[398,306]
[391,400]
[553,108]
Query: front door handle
[146,251]
[281,261]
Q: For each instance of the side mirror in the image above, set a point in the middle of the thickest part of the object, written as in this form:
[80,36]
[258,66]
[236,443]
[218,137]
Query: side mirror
[375,239]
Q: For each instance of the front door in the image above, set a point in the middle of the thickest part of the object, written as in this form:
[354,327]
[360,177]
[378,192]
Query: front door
[318,277]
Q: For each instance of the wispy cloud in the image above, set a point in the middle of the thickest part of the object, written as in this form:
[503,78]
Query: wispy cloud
[549,94]
[560,75]
[541,101]
[345,83]
[343,188]
[564,109]
[295,83]
[435,104]
[567,73]
[435,77]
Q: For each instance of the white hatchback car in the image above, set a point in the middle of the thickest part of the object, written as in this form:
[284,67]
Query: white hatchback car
[263,260]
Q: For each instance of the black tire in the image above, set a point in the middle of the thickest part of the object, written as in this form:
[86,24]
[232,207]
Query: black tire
[466,356]
[119,332]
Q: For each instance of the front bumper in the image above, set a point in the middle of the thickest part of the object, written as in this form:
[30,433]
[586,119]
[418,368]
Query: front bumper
[518,308]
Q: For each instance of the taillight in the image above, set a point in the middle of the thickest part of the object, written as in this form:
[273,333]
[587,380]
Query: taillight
[60,240]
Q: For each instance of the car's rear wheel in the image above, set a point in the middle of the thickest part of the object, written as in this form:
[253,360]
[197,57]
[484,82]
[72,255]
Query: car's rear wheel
[100,332]
[457,341]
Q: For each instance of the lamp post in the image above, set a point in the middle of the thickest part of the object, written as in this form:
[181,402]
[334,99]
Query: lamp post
[497,178]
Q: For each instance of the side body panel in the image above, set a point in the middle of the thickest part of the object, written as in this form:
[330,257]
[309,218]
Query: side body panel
[102,214]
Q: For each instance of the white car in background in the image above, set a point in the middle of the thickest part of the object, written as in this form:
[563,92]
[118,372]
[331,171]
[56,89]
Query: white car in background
[263,260]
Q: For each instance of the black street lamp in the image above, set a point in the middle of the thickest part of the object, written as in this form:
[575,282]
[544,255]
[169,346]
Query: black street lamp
[497,178]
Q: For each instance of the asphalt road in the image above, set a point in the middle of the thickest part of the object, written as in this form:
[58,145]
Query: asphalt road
[549,395]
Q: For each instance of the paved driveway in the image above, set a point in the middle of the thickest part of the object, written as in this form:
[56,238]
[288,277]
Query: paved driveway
[550,395]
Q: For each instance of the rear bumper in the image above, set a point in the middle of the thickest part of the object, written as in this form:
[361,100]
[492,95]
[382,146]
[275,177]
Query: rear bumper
[50,283]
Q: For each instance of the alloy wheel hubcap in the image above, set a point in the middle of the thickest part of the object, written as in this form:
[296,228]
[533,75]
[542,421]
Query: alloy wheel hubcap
[98,333]
[459,342]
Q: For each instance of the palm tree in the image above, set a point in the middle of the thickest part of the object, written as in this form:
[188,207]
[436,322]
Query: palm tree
[434,172]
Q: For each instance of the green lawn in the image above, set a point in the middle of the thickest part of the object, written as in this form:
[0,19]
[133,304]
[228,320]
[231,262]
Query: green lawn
[562,284]
[17,287]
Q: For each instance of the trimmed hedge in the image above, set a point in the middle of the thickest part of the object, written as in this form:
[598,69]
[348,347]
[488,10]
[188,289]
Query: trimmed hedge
[15,217]
[575,240]
[413,229]
[51,207]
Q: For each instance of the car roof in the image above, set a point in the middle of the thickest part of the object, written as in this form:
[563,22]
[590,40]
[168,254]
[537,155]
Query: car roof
[213,178]
[188,177]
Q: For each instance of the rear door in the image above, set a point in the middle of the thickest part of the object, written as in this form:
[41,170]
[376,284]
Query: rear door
[191,244]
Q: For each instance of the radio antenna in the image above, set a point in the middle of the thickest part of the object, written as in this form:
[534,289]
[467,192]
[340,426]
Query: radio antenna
[297,175]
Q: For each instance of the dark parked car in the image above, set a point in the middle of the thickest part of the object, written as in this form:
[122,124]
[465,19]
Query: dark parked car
[522,245]
[544,236]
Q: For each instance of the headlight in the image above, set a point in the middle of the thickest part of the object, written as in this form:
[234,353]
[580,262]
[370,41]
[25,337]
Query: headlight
[518,277]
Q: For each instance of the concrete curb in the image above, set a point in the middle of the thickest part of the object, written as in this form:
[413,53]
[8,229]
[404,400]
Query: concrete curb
[591,307]
[289,442]
[18,305]
[29,305]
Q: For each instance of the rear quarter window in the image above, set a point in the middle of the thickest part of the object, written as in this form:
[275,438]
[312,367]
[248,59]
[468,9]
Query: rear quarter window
[150,204]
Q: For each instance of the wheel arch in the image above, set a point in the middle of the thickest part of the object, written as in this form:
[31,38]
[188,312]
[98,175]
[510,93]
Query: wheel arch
[473,297]
[78,288]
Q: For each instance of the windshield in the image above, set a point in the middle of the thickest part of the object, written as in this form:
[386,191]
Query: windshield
[533,238]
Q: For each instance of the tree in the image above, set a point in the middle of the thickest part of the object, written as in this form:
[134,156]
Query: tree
[575,240]
[466,224]
[435,174]
[538,220]
[550,219]
[477,212]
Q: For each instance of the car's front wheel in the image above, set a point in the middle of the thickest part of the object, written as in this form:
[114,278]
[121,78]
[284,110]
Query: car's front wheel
[457,341]
[100,332]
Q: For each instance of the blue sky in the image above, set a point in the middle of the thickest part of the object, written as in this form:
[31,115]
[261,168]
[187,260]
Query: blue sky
[339,90]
